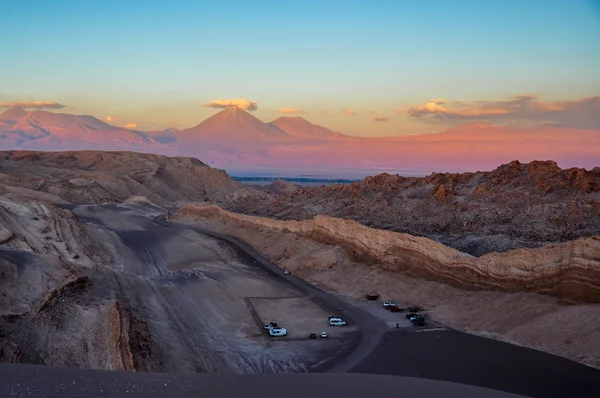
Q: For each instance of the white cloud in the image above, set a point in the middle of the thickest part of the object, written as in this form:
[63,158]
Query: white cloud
[240,103]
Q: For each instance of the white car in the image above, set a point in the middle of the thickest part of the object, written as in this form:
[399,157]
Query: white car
[324,334]
[335,321]
[286,272]
[277,332]
[388,304]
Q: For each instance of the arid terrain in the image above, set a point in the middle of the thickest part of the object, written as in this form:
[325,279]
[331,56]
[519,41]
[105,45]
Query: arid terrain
[81,251]
[492,295]
[104,288]
[514,206]
[112,177]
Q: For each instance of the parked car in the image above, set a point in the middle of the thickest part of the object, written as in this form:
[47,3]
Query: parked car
[420,321]
[336,321]
[271,325]
[313,336]
[277,332]
[416,318]
[411,315]
[394,308]
[387,304]
[323,334]
[286,272]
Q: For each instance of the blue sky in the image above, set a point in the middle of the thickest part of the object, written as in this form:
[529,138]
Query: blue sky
[158,61]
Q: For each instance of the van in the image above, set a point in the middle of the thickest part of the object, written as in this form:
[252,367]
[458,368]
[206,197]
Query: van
[334,321]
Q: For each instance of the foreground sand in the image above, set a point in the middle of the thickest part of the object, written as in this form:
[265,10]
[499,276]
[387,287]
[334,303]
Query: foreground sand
[528,319]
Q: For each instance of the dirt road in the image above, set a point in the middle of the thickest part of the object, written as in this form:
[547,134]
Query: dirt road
[370,328]
[437,352]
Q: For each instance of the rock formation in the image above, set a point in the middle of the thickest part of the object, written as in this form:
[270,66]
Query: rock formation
[99,177]
[570,271]
[514,206]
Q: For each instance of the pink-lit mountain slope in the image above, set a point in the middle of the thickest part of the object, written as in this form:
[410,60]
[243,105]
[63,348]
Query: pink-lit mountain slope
[60,131]
[236,141]
[302,128]
[232,127]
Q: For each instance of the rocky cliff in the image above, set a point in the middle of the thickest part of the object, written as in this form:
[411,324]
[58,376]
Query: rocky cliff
[514,206]
[100,177]
[570,271]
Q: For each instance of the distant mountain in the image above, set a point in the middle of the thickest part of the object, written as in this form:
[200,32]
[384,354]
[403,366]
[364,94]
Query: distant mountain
[233,126]
[238,142]
[302,128]
[60,131]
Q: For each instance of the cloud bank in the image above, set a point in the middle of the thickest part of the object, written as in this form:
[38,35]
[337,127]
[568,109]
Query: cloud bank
[291,110]
[583,113]
[244,104]
[32,104]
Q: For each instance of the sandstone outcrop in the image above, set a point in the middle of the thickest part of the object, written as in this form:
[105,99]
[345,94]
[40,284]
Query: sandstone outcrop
[101,177]
[514,206]
[570,271]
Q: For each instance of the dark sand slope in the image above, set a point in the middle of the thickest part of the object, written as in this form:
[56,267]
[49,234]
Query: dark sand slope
[48,382]
[462,358]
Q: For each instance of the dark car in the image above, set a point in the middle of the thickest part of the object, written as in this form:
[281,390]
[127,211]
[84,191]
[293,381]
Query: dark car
[271,325]
[411,315]
[419,322]
[313,336]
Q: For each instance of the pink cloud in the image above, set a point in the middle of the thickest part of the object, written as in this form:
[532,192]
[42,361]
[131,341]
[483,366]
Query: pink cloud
[32,104]
[291,110]
[350,111]
[583,113]
[130,125]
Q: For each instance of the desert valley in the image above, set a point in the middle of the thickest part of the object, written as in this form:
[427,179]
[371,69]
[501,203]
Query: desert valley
[300,199]
[92,278]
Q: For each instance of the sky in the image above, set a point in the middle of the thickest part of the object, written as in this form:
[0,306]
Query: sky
[377,68]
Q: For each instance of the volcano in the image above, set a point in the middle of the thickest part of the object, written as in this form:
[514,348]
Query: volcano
[234,126]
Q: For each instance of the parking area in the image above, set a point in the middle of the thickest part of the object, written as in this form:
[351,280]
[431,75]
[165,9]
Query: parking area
[391,318]
[301,316]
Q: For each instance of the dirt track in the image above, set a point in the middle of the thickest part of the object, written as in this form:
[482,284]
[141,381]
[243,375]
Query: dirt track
[212,299]
[440,353]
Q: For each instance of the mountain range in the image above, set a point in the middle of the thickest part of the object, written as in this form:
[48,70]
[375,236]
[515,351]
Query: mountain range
[240,143]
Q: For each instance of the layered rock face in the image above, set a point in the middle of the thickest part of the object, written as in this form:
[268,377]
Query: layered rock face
[515,206]
[570,271]
[60,301]
[100,177]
